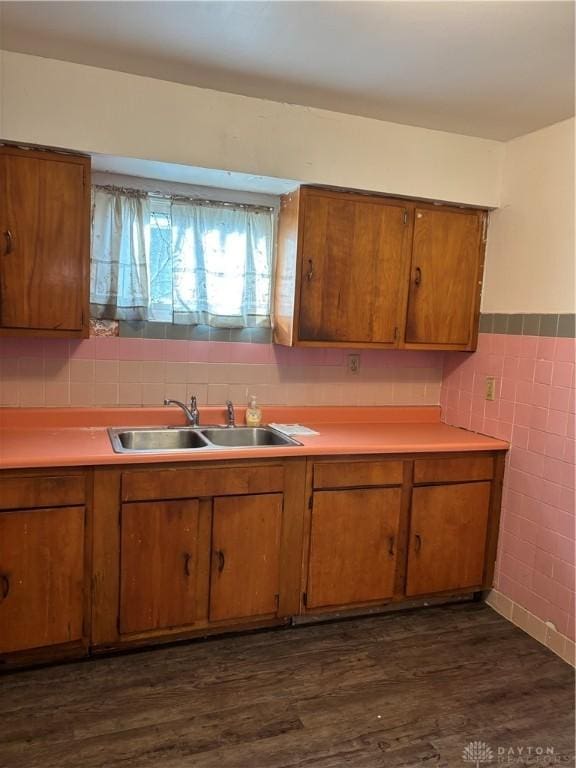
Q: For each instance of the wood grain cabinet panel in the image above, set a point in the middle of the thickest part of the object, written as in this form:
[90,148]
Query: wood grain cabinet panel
[353,264]
[373,271]
[473,467]
[357,473]
[177,482]
[443,303]
[41,578]
[44,246]
[159,556]
[353,545]
[245,571]
[21,492]
[448,530]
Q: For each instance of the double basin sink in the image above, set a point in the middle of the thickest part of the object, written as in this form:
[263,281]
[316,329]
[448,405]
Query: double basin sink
[170,439]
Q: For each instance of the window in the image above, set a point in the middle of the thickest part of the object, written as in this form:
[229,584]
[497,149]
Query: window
[173,259]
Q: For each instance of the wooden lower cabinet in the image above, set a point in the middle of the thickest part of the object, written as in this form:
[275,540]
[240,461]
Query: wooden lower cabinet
[159,557]
[178,550]
[448,530]
[41,577]
[162,583]
[353,546]
[245,571]
[195,548]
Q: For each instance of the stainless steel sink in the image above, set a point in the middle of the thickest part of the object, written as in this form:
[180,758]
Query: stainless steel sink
[246,437]
[150,440]
[171,439]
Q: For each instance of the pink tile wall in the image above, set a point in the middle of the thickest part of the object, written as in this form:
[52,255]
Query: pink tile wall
[123,371]
[534,409]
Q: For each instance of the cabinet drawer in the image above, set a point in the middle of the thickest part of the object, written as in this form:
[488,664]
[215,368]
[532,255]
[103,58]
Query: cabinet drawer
[447,470]
[33,492]
[188,483]
[357,474]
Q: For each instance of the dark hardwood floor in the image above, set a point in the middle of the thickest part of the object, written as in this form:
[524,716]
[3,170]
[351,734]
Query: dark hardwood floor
[402,689]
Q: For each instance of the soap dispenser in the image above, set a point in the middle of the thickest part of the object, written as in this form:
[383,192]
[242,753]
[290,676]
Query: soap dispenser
[253,413]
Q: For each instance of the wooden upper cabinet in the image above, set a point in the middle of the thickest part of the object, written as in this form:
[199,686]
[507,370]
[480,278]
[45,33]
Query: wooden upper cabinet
[42,592]
[446,274]
[370,271]
[159,561]
[352,271]
[448,529]
[44,243]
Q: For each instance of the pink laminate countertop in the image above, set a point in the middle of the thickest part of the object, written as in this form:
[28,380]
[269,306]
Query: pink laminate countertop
[64,437]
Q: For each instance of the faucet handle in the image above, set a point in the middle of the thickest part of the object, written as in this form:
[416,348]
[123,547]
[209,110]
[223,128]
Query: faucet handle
[194,412]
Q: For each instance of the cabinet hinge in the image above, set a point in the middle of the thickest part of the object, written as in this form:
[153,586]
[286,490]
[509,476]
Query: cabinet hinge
[485,228]
[405,216]
[305,599]
[310,502]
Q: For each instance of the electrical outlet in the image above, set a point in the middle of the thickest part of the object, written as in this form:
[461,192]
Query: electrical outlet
[354,363]
[490,388]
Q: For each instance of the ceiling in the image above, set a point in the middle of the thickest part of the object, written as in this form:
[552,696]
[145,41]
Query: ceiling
[483,68]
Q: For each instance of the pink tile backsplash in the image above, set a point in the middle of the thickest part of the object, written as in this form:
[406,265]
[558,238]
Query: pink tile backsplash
[126,371]
[534,410]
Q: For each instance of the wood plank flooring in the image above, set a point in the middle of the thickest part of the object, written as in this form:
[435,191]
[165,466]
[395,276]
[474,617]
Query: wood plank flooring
[403,689]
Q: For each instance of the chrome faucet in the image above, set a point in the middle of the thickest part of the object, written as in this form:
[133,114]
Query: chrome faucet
[192,413]
[230,411]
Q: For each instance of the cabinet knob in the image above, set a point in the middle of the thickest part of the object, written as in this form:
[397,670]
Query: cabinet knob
[9,237]
[391,546]
[310,273]
[417,543]
[187,559]
[4,586]
[221,560]
[417,276]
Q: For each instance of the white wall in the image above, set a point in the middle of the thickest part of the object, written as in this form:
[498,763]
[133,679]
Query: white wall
[60,104]
[530,251]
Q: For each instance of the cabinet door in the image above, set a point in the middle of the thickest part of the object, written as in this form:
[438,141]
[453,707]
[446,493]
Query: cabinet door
[158,565]
[447,537]
[353,544]
[354,267]
[246,556]
[41,577]
[445,276]
[44,230]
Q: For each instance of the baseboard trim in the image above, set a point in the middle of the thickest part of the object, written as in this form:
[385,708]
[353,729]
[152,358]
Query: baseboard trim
[537,628]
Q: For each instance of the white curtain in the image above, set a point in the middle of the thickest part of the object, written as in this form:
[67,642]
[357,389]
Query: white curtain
[180,261]
[222,265]
[119,286]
